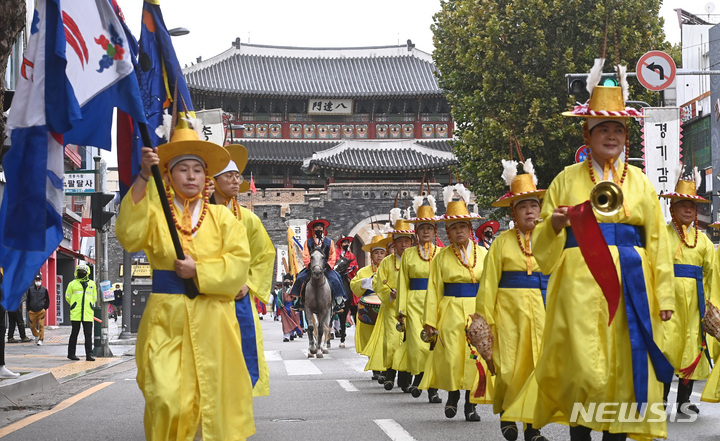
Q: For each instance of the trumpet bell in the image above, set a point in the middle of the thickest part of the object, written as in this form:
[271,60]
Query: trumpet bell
[606,198]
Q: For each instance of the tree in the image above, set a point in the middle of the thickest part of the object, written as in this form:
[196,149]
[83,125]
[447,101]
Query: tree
[12,21]
[502,64]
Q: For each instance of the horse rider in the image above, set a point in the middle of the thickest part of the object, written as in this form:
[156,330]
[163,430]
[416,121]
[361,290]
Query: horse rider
[317,230]
[343,251]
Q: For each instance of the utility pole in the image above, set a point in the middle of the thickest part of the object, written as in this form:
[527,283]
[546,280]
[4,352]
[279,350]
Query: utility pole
[102,340]
[127,296]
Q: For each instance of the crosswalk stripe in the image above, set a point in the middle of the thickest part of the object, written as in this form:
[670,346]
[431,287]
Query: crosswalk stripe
[273,356]
[301,367]
[394,430]
[348,386]
[356,364]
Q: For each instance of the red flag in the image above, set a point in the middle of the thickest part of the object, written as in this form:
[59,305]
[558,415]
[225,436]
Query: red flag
[252,184]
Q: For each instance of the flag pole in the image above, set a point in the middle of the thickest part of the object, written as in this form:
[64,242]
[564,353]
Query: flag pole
[190,289]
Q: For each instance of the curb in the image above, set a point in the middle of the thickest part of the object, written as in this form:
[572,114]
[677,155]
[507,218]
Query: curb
[34,382]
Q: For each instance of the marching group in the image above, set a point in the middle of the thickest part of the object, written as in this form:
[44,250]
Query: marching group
[571,307]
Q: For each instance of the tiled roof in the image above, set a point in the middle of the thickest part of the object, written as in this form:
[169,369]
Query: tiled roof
[316,73]
[380,157]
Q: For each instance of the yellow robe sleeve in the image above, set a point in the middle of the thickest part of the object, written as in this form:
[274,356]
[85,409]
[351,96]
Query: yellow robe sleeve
[708,262]
[489,281]
[548,246]
[262,252]
[383,274]
[436,289]
[404,280]
[657,245]
[356,282]
[132,226]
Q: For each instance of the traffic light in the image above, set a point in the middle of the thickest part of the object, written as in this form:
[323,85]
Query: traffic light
[97,202]
[577,84]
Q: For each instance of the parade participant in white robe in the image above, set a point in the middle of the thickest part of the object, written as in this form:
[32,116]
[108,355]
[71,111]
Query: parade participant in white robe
[185,344]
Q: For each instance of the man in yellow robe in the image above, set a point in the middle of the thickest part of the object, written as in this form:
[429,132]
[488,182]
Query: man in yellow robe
[512,295]
[587,358]
[186,344]
[385,285]
[452,287]
[229,183]
[685,342]
[412,290]
[359,287]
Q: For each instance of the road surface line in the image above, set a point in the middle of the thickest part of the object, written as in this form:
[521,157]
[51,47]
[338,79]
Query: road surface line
[301,367]
[356,364]
[348,386]
[273,356]
[61,406]
[695,394]
[394,430]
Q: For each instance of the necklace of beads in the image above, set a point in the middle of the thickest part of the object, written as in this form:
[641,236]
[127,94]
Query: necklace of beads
[625,169]
[204,202]
[466,265]
[430,257]
[235,206]
[679,230]
[395,262]
[520,242]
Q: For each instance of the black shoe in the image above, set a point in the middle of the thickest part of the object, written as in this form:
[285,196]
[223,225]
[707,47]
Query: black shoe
[687,408]
[285,340]
[12,340]
[450,411]
[381,379]
[89,358]
[292,337]
[434,398]
[375,376]
[389,385]
[470,414]
[299,306]
[415,392]
[509,430]
[72,357]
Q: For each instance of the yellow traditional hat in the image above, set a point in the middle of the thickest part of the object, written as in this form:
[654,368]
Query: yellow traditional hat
[606,102]
[457,210]
[185,142]
[378,241]
[521,186]
[401,227]
[686,190]
[424,214]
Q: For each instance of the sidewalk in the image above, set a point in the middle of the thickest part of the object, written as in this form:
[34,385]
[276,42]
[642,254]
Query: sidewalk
[43,367]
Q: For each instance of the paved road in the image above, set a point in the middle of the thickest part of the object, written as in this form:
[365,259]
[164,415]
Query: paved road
[326,399]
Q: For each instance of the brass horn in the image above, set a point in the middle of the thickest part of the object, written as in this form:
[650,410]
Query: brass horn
[606,198]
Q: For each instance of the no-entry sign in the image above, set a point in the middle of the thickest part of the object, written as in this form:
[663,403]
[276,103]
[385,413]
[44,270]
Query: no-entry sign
[655,70]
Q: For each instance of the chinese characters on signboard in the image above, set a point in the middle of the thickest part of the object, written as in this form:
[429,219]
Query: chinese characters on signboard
[329,107]
[212,126]
[79,182]
[662,149]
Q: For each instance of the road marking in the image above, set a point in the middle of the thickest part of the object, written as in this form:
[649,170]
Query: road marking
[347,385]
[273,356]
[301,367]
[394,430]
[61,406]
[356,364]
[695,394]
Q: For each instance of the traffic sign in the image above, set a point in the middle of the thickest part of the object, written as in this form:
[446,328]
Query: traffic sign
[656,70]
[581,154]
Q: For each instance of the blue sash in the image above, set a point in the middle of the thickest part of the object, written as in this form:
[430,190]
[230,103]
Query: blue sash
[418,284]
[246,319]
[368,292]
[625,237]
[696,272]
[521,280]
[167,282]
[461,289]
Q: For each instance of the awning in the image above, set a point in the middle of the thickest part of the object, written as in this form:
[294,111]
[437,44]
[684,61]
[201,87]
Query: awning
[75,254]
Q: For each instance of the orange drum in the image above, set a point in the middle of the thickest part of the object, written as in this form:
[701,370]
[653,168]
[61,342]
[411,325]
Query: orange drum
[368,309]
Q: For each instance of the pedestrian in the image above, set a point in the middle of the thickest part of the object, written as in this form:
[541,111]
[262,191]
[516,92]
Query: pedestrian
[5,373]
[452,287]
[81,294]
[485,233]
[189,353]
[38,301]
[290,322]
[686,344]
[361,286]
[255,293]
[412,291]
[117,301]
[511,297]
[599,343]
[276,301]
[386,339]
[15,318]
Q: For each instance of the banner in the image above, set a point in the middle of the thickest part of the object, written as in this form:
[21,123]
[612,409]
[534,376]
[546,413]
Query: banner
[661,149]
